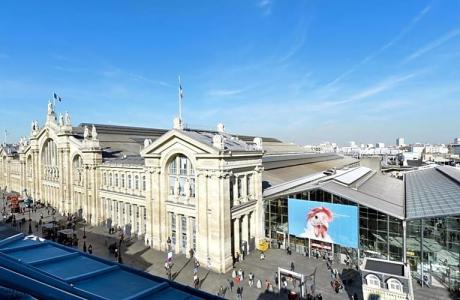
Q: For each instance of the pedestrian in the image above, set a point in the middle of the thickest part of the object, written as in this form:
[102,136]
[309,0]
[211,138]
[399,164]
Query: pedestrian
[90,249]
[233,273]
[251,279]
[241,274]
[276,278]
[259,284]
[292,266]
[196,281]
[266,284]
[238,280]
[262,256]
[238,293]
[270,288]
[221,291]
[230,284]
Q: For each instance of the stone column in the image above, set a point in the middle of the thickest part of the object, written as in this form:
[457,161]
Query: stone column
[140,230]
[236,236]
[245,187]
[235,192]
[156,215]
[259,211]
[114,211]
[202,215]
[178,234]
[245,230]
[189,236]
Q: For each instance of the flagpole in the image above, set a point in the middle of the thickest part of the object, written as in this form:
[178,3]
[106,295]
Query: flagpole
[180,100]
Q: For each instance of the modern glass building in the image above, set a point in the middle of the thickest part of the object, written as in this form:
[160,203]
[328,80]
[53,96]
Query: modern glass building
[415,220]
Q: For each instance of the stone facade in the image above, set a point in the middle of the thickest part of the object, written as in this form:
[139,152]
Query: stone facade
[182,191]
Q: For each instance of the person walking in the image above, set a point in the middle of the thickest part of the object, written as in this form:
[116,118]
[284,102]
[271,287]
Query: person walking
[196,281]
[238,293]
[292,266]
[230,284]
[251,279]
[90,249]
[259,284]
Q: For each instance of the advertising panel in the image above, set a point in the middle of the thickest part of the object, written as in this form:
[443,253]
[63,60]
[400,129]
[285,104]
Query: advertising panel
[326,222]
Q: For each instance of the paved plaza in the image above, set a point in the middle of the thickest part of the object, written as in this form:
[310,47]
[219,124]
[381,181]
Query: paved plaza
[137,255]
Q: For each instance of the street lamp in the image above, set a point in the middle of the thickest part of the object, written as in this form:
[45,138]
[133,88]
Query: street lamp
[29,202]
[84,237]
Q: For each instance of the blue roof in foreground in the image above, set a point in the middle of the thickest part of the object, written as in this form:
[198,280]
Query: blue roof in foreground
[47,270]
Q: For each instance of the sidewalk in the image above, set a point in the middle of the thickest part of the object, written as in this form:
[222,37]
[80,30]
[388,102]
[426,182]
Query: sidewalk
[139,256]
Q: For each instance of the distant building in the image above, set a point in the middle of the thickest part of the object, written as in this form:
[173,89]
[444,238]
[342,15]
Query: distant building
[457,141]
[400,142]
[386,280]
[379,145]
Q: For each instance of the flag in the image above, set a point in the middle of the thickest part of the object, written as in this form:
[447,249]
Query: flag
[181,92]
[56,97]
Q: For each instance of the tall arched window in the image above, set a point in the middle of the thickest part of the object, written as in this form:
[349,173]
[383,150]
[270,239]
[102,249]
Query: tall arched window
[110,180]
[50,164]
[104,179]
[123,181]
[129,182]
[116,179]
[77,170]
[136,182]
[181,175]
[144,183]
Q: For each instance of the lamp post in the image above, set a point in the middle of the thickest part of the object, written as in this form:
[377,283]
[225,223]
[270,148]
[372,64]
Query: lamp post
[30,221]
[84,237]
[119,259]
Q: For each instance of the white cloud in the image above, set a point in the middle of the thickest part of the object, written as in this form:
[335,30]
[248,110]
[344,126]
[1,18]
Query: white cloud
[434,44]
[265,6]
[225,92]
[404,31]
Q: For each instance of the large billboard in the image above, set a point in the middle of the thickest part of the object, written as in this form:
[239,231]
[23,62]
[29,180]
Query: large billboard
[326,222]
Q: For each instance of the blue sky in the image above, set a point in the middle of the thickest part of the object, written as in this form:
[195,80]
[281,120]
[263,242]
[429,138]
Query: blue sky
[302,71]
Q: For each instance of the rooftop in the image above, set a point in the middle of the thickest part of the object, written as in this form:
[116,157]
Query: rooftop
[433,192]
[47,270]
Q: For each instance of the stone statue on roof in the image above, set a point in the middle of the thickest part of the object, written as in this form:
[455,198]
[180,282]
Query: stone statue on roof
[67,119]
[61,119]
[32,126]
[94,133]
[50,107]
[86,133]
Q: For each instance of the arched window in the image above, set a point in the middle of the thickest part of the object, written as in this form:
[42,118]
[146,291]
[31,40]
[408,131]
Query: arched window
[373,280]
[129,181]
[49,161]
[136,182]
[116,179]
[77,169]
[104,179]
[123,181]
[110,180]
[181,174]
[394,285]
[144,183]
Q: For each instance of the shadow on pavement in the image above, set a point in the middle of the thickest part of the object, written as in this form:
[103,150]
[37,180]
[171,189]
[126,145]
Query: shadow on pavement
[174,276]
